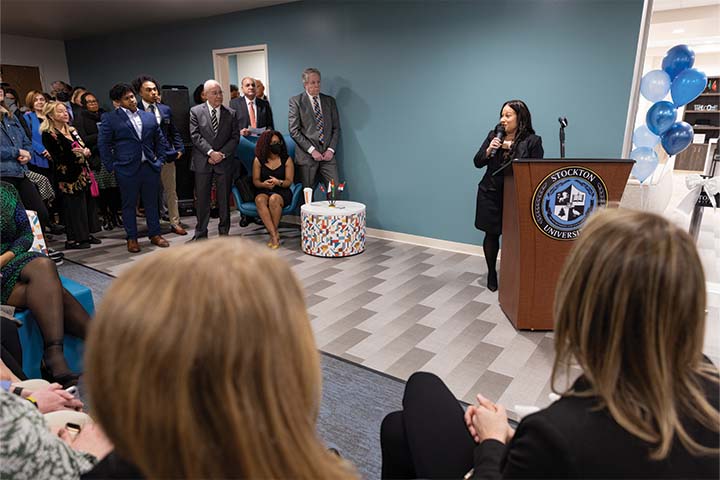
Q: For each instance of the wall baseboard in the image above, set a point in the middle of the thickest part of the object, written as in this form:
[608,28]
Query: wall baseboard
[458,247]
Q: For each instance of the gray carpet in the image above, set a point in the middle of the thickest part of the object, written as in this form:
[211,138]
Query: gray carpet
[355,399]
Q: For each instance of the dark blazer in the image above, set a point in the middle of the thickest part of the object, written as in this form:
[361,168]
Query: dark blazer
[489,201]
[170,132]
[263,114]
[573,439]
[120,147]
[301,120]
[70,173]
[205,139]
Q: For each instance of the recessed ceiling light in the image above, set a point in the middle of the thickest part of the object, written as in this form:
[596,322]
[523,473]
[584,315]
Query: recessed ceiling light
[679,30]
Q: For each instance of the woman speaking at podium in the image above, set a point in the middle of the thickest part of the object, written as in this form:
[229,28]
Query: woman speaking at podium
[512,138]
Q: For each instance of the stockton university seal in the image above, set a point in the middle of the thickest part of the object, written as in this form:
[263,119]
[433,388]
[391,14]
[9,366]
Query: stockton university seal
[564,200]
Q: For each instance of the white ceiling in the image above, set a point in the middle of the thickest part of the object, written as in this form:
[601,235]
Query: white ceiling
[70,19]
[697,26]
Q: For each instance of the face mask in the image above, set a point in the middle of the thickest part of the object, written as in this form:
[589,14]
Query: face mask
[275,148]
[10,104]
[62,96]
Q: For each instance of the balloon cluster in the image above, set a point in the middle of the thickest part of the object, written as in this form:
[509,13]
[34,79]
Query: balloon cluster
[684,84]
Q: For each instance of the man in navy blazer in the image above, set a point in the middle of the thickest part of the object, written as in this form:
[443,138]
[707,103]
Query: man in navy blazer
[147,87]
[132,145]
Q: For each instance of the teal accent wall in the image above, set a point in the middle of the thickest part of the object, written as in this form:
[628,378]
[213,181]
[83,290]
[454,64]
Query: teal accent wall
[418,85]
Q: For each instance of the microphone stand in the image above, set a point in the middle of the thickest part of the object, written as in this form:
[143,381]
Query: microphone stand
[562,140]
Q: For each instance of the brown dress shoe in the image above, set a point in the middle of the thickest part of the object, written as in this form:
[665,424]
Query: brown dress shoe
[159,241]
[178,230]
[133,246]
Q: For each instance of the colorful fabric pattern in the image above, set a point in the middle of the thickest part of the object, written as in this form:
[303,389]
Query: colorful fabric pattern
[339,235]
[17,237]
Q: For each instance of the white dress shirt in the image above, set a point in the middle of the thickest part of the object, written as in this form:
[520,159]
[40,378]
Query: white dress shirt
[137,124]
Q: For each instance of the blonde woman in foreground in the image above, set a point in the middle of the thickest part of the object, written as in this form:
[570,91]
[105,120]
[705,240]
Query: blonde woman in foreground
[630,311]
[214,374]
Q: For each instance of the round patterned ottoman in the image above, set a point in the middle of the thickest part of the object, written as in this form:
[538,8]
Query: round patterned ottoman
[337,231]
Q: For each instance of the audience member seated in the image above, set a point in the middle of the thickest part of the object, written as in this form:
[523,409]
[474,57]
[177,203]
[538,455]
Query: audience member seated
[630,312]
[15,148]
[70,155]
[47,397]
[223,384]
[87,126]
[30,450]
[30,280]
[273,172]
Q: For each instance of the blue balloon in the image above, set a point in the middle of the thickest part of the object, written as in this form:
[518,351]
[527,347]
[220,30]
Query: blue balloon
[646,161]
[643,137]
[660,117]
[677,138]
[677,59]
[687,86]
[655,85]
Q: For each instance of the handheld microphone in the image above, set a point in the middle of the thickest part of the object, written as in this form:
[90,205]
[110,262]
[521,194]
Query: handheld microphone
[563,121]
[500,135]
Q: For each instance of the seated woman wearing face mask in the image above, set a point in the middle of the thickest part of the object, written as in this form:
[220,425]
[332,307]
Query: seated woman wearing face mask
[273,172]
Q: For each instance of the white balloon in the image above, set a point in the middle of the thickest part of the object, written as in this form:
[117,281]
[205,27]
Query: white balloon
[655,85]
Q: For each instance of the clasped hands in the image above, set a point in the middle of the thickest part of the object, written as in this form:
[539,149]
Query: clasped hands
[272,182]
[215,157]
[322,157]
[487,420]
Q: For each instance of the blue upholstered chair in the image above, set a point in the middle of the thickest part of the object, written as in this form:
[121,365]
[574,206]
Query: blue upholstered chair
[31,339]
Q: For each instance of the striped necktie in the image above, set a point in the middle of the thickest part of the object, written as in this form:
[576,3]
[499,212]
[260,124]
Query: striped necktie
[214,119]
[319,120]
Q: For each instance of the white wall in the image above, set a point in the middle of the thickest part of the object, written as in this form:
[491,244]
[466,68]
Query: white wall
[252,64]
[48,55]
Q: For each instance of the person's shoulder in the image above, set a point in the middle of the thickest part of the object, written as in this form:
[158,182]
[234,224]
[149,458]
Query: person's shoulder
[165,108]
[297,98]
[230,109]
[327,97]
[235,103]
[261,101]
[197,108]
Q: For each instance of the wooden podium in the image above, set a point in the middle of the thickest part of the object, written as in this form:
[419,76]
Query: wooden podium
[546,201]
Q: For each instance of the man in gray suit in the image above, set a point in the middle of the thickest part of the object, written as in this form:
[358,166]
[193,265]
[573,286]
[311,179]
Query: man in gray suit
[315,127]
[215,133]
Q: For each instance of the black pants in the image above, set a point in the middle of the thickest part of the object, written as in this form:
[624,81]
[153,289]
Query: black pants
[31,198]
[11,350]
[77,222]
[428,438]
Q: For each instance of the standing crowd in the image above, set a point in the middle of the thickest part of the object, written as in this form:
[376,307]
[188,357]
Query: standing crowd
[82,169]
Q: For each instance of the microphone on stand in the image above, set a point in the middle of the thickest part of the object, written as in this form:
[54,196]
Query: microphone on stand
[500,135]
[563,123]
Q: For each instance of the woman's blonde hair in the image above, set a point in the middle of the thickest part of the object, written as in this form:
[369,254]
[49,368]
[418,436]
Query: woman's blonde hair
[630,310]
[48,124]
[212,372]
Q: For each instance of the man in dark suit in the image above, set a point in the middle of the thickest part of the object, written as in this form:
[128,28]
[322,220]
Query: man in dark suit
[132,145]
[148,89]
[315,126]
[215,133]
[251,111]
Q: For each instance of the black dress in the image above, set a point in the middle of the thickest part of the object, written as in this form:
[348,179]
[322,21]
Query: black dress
[279,173]
[489,204]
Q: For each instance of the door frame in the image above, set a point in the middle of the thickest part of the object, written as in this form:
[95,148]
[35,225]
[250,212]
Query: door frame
[221,69]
